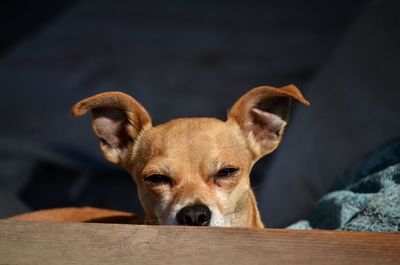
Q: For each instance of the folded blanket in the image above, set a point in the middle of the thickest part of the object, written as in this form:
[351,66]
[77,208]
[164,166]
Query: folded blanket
[366,198]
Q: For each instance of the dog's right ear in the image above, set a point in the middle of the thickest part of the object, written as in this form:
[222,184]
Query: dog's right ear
[117,121]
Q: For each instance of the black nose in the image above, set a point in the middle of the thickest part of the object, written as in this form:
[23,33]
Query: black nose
[198,215]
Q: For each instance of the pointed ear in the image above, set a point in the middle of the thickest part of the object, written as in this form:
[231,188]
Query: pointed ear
[117,121]
[262,114]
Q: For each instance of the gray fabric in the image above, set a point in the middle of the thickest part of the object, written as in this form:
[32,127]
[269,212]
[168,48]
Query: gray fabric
[369,202]
[36,176]
[178,58]
[354,109]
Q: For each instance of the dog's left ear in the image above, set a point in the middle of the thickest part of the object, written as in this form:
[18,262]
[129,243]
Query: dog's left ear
[262,114]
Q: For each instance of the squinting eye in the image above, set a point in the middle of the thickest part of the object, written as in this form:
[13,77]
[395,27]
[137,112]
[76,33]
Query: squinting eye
[226,172]
[158,179]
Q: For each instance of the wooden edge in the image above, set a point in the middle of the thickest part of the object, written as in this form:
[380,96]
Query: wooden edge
[80,243]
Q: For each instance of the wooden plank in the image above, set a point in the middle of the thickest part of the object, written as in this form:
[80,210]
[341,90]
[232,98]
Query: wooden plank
[79,243]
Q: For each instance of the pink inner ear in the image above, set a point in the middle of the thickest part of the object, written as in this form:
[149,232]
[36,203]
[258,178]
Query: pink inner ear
[110,127]
[109,130]
[265,124]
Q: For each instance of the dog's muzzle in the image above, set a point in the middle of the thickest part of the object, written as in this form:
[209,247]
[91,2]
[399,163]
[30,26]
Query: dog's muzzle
[196,215]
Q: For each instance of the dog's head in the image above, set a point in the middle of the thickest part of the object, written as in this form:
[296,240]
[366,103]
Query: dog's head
[192,171]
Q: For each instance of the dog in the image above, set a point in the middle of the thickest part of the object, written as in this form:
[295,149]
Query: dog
[192,171]
[189,171]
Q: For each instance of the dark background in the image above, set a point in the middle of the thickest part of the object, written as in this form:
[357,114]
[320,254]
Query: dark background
[192,58]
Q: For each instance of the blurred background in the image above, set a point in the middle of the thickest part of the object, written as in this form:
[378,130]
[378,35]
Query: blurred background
[185,59]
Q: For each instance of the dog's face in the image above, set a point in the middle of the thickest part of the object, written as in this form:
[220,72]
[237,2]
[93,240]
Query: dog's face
[192,171]
[193,167]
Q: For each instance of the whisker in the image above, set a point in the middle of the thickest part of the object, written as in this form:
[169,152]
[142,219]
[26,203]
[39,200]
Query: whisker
[257,187]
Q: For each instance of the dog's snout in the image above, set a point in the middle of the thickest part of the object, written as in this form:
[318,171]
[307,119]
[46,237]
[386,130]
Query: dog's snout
[197,215]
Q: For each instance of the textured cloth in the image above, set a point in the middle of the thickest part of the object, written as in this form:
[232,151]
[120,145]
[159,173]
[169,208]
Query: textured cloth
[367,197]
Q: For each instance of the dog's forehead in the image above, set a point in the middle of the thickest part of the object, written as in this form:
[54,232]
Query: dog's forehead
[196,138]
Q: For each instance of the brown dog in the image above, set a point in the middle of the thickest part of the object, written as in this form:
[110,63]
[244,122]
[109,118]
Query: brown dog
[192,171]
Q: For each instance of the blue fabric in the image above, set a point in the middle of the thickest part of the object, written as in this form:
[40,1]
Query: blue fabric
[366,198]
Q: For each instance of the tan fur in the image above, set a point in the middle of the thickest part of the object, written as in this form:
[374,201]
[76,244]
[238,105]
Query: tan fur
[85,214]
[192,151]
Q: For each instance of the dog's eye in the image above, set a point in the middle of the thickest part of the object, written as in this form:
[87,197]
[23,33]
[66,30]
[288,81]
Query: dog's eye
[226,172]
[158,179]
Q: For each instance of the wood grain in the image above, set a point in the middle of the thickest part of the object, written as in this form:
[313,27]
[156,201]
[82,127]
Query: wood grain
[80,243]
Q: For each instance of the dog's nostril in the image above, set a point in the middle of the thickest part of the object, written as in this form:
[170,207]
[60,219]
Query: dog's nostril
[203,219]
[188,219]
[198,215]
